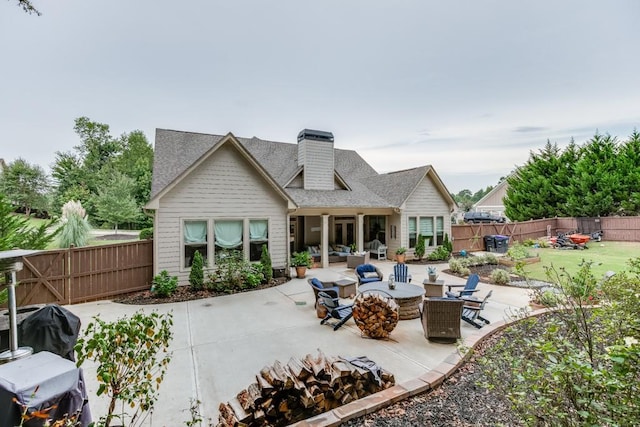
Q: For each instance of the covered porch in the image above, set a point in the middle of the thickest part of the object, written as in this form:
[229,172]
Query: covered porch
[329,236]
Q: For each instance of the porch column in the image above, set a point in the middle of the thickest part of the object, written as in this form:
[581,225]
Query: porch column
[360,244]
[325,241]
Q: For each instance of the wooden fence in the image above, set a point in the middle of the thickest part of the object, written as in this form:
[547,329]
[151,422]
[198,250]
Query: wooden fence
[70,276]
[470,237]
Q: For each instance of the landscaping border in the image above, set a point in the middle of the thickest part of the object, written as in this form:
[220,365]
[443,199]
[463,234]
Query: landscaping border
[427,382]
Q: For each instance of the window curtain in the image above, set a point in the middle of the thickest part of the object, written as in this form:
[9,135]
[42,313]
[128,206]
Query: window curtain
[426,226]
[258,231]
[440,224]
[195,231]
[228,234]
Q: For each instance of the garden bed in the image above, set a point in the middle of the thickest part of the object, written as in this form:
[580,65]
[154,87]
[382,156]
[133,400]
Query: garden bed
[185,293]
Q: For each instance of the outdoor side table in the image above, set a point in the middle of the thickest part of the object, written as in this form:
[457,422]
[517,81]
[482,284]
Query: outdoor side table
[346,287]
[407,296]
[433,289]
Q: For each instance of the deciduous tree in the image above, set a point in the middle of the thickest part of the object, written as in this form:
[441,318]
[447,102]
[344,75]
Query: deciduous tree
[25,185]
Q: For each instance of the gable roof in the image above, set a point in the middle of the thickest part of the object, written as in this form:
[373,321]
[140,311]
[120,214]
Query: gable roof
[172,161]
[499,187]
[176,152]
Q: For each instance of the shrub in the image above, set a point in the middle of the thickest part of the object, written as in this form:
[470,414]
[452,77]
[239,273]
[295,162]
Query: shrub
[265,261]
[447,244]
[500,277]
[439,254]
[577,365]
[146,233]
[491,259]
[164,285]
[455,265]
[196,276]
[234,273]
[131,357]
[75,227]
[518,251]
[464,271]
[420,247]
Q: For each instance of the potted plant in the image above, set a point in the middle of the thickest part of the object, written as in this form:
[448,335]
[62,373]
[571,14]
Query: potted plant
[433,276]
[301,261]
[401,254]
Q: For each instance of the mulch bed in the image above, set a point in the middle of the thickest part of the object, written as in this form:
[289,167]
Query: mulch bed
[460,401]
[184,293]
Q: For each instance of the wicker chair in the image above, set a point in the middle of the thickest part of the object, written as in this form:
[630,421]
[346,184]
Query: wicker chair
[441,319]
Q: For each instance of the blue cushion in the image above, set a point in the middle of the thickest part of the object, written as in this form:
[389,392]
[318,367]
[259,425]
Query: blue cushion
[317,283]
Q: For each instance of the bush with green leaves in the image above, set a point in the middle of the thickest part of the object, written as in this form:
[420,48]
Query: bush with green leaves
[447,244]
[500,276]
[233,273]
[196,275]
[164,285]
[439,254]
[131,357]
[265,261]
[578,364]
[146,233]
[518,251]
[420,247]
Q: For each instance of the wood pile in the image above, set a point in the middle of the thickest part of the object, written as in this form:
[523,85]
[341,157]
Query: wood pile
[302,388]
[375,315]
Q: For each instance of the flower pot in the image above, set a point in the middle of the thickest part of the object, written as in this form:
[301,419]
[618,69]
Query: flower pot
[433,277]
[400,258]
[301,271]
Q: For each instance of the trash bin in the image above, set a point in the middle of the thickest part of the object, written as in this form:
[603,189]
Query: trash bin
[490,243]
[501,243]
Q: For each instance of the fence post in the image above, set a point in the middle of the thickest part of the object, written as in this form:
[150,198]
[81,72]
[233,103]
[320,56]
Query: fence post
[68,272]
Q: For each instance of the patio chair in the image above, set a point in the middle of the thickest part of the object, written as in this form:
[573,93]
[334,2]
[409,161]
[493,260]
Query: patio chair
[335,310]
[441,319]
[368,273]
[469,287]
[400,273]
[318,286]
[472,309]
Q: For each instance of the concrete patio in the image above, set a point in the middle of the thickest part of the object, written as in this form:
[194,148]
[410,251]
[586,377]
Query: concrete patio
[221,343]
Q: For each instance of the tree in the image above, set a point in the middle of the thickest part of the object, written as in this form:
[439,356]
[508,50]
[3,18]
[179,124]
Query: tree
[16,231]
[79,175]
[28,7]
[115,203]
[25,185]
[196,275]
[595,178]
[532,192]
[628,168]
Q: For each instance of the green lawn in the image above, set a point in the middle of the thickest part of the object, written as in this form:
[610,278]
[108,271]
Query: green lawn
[605,256]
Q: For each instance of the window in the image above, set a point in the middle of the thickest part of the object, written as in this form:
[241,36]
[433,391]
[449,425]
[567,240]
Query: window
[426,229]
[440,229]
[375,227]
[258,236]
[195,239]
[412,231]
[228,236]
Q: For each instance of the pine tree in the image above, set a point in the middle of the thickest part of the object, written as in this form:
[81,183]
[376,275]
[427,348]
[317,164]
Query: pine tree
[265,260]
[196,276]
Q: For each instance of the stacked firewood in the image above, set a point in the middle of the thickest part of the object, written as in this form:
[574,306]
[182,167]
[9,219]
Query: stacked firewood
[375,315]
[284,394]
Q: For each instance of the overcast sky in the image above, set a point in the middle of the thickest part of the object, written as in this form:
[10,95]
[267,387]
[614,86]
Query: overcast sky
[469,87]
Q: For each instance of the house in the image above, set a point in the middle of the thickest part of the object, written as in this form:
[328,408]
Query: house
[492,202]
[213,192]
